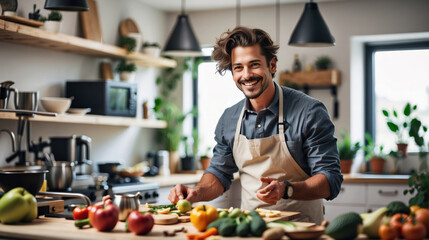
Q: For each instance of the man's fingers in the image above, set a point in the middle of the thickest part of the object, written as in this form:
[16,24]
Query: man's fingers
[176,193]
[267,179]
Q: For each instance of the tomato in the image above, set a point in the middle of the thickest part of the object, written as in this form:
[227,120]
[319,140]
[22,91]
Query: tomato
[140,224]
[80,212]
[104,217]
[413,231]
[396,221]
[422,216]
[414,208]
[386,232]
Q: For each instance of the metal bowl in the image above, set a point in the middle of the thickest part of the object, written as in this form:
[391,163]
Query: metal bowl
[31,180]
[60,176]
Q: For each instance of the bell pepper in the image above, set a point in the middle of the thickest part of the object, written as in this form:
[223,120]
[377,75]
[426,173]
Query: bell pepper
[104,216]
[80,212]
[202,216]
[18,205]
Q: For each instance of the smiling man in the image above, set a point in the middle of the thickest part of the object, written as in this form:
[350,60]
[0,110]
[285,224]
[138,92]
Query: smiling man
[281,141]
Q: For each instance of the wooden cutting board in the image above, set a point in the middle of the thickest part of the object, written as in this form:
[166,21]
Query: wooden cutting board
[128,26]
[91,22]
[21,20]
[165,219]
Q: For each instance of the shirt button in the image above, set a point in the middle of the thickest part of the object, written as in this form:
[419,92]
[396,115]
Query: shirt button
[259,125]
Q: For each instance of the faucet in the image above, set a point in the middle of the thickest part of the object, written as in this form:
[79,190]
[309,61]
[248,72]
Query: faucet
[12,136]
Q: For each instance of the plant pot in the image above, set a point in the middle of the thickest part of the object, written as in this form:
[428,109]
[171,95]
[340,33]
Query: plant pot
[174,161]
[205,162]
[126,76]
[52,26]
[152,51]
[188,163]
[377,164]
[346,165]
[402,147]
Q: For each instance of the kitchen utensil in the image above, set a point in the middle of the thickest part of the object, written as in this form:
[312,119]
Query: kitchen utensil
[31,180]
[91,22]
[126,204]
[128,26]
[5,90]
[27,101]
[313,232]
[165,219]
[56,104]
[61,175]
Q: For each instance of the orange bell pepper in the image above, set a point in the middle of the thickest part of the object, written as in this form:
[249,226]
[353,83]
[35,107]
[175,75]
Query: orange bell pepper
[202,216]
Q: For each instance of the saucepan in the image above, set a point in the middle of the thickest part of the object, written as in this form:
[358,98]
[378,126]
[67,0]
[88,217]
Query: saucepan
[61,175]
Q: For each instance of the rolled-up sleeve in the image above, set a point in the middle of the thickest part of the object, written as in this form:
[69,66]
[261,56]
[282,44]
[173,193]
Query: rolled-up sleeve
[320,147]
[222,164]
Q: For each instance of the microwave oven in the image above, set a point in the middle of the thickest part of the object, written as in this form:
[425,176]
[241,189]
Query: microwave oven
[109,98]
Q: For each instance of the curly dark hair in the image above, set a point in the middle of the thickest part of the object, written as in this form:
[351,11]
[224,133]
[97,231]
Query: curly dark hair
[243,37]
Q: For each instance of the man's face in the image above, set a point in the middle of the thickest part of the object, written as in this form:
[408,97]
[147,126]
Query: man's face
[250,71]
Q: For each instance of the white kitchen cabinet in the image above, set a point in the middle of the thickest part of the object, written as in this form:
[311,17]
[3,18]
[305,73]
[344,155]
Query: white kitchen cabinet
[364,197]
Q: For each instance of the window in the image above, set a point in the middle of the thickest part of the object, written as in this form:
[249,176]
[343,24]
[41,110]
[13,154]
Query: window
[395,74]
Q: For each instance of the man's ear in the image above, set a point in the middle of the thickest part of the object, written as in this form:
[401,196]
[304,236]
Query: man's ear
[273,65]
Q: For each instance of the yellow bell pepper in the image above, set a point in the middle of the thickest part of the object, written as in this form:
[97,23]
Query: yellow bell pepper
[202,216]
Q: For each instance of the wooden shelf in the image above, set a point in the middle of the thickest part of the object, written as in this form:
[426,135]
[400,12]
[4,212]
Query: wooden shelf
[324,78]
[92,120]
[21,34]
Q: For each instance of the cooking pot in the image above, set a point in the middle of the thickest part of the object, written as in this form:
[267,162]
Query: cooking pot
[61,175]
[31,180]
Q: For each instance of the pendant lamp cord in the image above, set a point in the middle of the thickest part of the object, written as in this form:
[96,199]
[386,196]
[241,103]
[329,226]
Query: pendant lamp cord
[183,7]
[238,13]
[278,22]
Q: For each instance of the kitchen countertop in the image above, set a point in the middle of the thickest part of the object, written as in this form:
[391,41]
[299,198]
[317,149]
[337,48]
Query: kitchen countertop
[193,178]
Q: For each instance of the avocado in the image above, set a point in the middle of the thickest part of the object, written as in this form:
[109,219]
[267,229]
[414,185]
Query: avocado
[344,226]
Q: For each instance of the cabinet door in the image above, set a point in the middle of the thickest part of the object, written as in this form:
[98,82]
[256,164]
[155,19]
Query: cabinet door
[333,211]
[382,194]
[350,193]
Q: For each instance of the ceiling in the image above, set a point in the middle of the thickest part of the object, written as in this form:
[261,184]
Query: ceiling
[196,5]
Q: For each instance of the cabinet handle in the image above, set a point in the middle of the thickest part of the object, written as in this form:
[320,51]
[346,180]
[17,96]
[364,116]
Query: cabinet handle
[388,193]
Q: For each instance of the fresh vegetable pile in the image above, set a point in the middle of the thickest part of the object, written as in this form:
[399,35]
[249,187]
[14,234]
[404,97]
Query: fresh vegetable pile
[394,221]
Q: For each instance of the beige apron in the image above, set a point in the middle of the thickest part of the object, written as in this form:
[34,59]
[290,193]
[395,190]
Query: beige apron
[270,157]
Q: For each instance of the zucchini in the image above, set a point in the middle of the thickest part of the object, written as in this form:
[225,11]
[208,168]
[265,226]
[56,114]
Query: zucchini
[216,223]
[227,227]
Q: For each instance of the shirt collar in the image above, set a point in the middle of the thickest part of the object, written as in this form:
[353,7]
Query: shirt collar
[274,106]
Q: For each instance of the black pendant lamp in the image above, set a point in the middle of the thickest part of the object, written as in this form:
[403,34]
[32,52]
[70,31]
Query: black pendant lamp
[311,30]
[66,5]
[182,41]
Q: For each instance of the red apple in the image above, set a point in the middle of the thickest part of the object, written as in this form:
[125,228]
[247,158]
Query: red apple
[140,224]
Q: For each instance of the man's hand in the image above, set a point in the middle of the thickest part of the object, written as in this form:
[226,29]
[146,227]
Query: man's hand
[273,192]
[181,191]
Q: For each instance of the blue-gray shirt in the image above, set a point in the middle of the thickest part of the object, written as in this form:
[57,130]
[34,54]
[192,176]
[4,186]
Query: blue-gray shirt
[309,134]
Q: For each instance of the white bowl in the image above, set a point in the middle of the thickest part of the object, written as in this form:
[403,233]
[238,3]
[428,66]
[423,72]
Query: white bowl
[55,104]
[79,111]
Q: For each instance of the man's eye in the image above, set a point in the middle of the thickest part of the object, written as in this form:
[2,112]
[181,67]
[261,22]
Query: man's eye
[238,68]
[255,65]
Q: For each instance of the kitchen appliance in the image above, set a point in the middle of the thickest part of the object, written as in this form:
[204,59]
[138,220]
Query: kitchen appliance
[5,91]
[73,149]
[104,97]
[27,100]
[60,175]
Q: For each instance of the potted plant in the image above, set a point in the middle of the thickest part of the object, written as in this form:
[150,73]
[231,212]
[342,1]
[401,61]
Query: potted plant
[128,43]
[347,152]
[418,131]
[374,154]
[53,22]
[152,49]
[172,134]
[399,125]
[323,63]
[125,70]
[205,159]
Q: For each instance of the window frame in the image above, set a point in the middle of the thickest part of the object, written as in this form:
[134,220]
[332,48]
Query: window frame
[369,82]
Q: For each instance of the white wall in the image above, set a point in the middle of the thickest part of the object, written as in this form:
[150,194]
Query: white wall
[46,71]
[344,18]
